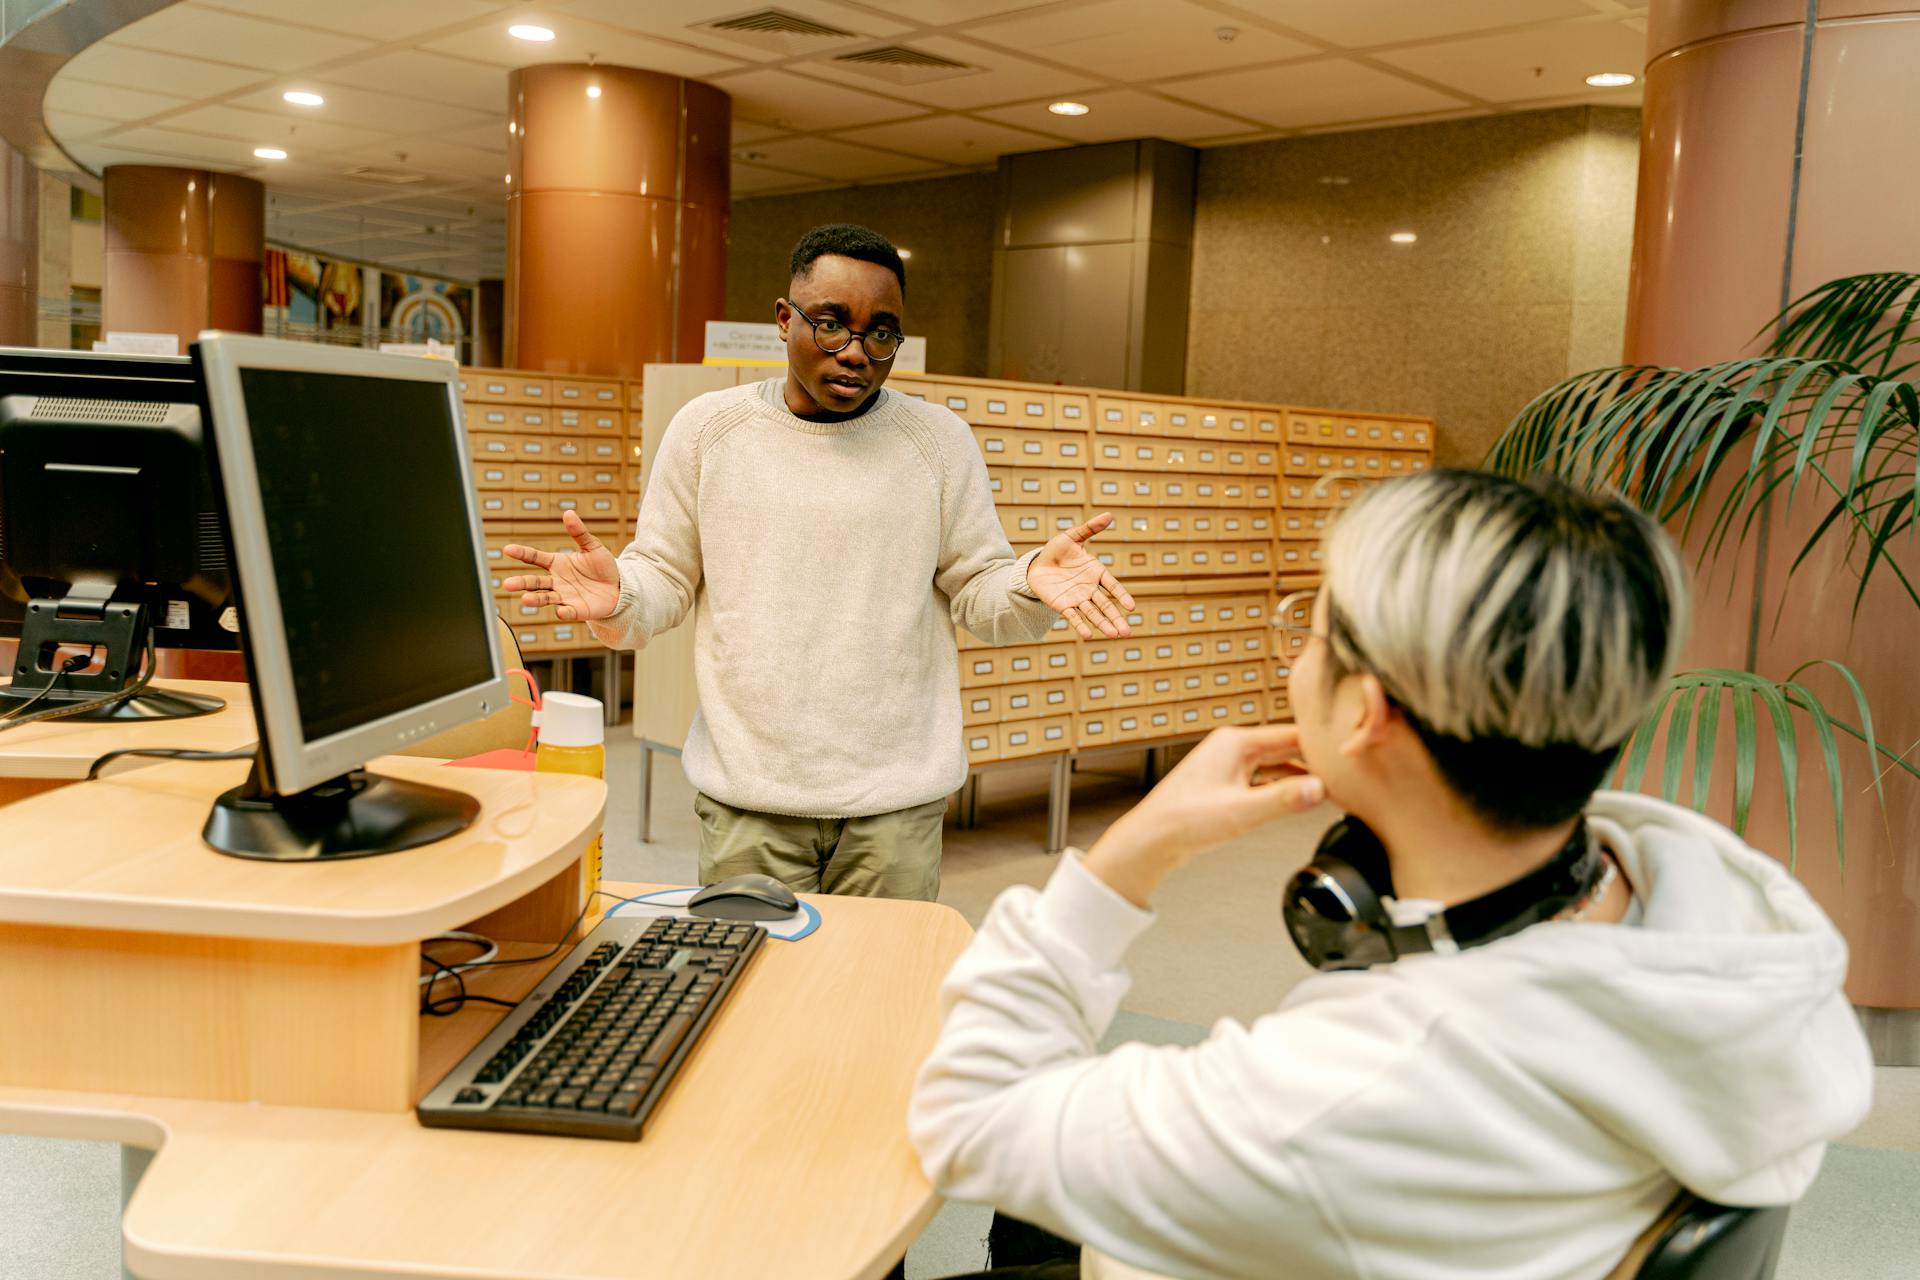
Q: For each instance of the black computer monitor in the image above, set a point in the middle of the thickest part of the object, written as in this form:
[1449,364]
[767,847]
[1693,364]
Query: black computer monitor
[110,533]
[360,566]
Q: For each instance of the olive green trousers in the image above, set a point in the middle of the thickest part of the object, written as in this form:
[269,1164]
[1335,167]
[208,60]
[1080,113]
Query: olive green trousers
[887,855]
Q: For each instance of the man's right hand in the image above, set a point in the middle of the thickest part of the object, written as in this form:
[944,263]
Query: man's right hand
[583,585]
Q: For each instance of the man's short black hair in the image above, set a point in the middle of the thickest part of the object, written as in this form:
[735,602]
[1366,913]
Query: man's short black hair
[844,239]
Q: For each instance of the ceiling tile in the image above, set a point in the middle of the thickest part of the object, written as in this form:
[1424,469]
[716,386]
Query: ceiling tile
[751,179]
[956,140]
[748,131]
[97,156]
[1526,64]
[836,162]
[347,104]
[215,153]
[265,128]
[114,64]
[1001,77]
[68,94]
[458,207]
[1119,114]
[576,41]
[676,21]
[411,72]
[251,42]
[1301,95]
[380,20]
[490,137]
[430,153]
[796,102]
[1378,22]
[1140,39]
[71,125]
[942,12]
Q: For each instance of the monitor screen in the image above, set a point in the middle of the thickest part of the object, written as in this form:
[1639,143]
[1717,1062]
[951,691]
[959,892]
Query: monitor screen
[369,530]
[103,477]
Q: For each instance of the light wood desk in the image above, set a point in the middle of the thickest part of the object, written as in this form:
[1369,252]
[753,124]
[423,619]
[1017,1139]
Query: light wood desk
[53,753]
[781,1151]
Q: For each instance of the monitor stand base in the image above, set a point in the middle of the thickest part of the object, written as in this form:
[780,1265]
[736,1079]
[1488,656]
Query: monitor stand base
[356,815]
[153,704]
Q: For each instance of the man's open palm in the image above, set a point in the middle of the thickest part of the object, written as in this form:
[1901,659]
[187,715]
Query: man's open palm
[582,585]
[1077,586]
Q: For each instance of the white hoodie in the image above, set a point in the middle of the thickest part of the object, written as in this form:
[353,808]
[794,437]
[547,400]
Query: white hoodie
[1519,1111]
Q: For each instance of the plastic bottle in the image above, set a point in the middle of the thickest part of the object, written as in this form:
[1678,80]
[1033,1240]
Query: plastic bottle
[572,740]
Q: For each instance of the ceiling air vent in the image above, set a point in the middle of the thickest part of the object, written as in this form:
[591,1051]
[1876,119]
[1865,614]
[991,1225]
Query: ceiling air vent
[388,177]
[901,65]
[776,30]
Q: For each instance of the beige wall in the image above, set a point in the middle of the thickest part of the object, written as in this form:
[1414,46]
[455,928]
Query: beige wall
[1519,275]
[947,223]
[56,261]
[1518,279]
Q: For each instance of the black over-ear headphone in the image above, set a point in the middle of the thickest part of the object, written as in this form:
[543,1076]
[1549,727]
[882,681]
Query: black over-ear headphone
[1337,914]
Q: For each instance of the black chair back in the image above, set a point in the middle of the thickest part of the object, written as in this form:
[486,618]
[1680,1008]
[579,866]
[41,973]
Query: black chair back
[1708,1241]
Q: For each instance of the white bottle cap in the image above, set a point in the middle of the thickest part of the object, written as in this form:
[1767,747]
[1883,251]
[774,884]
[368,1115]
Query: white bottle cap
[570,720]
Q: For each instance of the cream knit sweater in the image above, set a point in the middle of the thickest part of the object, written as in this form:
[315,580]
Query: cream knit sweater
[826,564]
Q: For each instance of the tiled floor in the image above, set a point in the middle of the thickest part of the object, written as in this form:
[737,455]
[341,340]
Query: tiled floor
[1217,951]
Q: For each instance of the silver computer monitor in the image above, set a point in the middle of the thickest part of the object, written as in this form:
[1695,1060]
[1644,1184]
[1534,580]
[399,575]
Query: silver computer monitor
[369,620]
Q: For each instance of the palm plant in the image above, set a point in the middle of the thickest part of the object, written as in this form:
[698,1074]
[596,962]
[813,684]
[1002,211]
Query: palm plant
[1828,415]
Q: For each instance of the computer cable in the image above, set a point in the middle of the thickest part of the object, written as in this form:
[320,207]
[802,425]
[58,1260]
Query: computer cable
[446,1005]
[488,950]
[169,753]
[133,690]
[67,668]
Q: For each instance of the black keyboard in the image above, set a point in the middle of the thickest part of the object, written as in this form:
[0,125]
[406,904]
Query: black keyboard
[591,1050]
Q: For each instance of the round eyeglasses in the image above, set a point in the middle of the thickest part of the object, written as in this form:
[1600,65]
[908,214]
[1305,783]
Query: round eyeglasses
[833,337]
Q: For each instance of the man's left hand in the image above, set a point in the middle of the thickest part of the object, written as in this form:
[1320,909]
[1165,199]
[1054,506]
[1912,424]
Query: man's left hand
[1077,586]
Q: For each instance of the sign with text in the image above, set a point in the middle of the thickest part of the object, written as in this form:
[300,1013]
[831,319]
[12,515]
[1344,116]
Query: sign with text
[737,342]
[140,344]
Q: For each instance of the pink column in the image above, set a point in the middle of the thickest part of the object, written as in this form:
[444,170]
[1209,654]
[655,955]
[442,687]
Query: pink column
[1717,207]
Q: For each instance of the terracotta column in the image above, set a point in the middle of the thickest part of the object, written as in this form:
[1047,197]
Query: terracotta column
[19,250]
[1723,232]
[183,250]
[616,218]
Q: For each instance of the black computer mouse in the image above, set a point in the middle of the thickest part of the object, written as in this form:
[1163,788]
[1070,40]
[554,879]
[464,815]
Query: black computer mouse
[749,897]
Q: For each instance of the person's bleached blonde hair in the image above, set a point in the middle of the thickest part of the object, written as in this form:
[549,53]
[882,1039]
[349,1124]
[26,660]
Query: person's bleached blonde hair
[1490,608]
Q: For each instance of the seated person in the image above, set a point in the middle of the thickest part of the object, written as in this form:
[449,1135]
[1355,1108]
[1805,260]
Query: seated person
[1563,1006]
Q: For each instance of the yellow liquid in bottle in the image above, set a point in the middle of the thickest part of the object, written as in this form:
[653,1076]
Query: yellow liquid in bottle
[591,761]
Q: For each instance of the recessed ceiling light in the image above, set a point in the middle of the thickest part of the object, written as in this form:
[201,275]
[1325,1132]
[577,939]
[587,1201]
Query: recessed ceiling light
[593,91]
[270,153]
[1069,108]
[301,98]
[509,179]
[905,254]
[527,31]
[1403,237]
[1609,79]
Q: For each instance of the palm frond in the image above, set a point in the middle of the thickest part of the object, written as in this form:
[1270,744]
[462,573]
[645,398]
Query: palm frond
[1663,436]
[1689,708]
[1868,321]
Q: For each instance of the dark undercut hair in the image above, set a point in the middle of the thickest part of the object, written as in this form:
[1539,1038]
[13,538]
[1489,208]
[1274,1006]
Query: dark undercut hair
[846,240]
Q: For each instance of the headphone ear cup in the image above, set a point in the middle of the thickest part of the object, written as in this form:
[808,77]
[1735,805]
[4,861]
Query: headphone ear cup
[1332,906]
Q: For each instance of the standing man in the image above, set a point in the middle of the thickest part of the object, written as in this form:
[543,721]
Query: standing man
[828,534]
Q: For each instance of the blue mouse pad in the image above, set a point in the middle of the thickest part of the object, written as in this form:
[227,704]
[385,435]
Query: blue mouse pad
[673,902]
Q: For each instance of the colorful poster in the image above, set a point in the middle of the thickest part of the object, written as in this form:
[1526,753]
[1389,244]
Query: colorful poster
[312,292]
[418,308]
